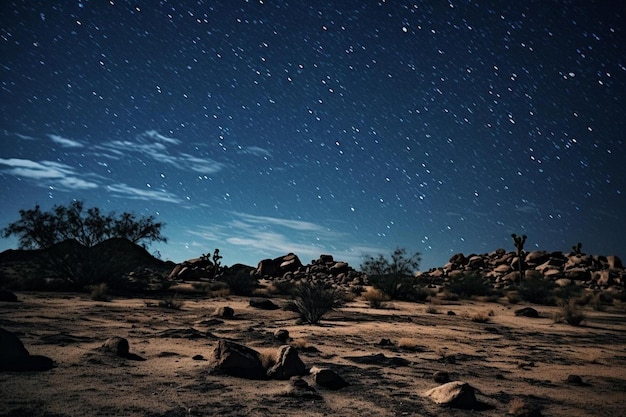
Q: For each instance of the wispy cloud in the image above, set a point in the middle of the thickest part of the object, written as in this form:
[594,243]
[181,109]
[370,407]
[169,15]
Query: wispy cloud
[127,191]
[162,149]
[54,173]
[65,142]
[256,151]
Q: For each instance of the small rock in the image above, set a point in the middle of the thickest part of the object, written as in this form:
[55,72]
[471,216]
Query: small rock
[263,304]
[327,378]
[287,365]
[117,345]
[281,335]
[237,360]
[527,312]
[575,379]
[441,377]
[224,312]
[451,313]
[198,358]
[455,394]
[385,342]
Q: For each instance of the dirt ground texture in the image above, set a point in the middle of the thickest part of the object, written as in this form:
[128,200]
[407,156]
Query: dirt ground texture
[506,358]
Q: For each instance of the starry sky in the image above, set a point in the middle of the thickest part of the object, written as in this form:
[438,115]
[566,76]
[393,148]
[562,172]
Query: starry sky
[351,127]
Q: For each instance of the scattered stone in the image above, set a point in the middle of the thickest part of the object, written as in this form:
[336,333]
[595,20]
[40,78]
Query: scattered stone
[198,358]
[288,364]
[455,394]
[14,357]
[224,312]
[119,346]
[385,342]
[8,296]
[575,379]
[527,312]
[451,313]
[327,378]
[281,335]
[379,359]
[263,304]
[233,359]
[189,333]
[441,377]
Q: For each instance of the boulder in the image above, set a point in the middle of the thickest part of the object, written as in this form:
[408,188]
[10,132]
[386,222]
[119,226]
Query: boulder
[327,378]
[614,262]
[281,335]
[237,360]
[288,364]
[14,357]
[117,346]
[455,394]
[578,274]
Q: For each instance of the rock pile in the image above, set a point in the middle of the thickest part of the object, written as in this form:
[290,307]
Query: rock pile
[500,268]
[289,269]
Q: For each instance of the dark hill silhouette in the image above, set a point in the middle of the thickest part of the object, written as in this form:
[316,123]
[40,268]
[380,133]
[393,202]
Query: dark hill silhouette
[73,264]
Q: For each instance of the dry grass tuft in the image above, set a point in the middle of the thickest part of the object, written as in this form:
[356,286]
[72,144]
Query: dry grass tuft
[482,316]
[375,297]
[431,309]
[570,313]
[408,343]
[100,292]
[172,302]
[520,408]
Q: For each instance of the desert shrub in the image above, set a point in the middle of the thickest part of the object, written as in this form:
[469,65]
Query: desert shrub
[100,292]
[313,300]
[172,302]
[537,290]
[482,316]
[239,282]
[513,297]
[375,297]
[600,300]
[283,287]
[520,408]
[569,312]
[431,309]
[568,292]
[408,343]
[469,285]
[394,276]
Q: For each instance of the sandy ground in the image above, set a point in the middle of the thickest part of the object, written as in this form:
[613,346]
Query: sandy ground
[506,359]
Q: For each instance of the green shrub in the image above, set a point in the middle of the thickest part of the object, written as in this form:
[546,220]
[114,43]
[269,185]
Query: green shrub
[313,300]
[395,276]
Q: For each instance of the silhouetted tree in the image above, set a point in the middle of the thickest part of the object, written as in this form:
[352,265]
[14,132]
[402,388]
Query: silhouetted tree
[519,241]
[396,276]
[37,229]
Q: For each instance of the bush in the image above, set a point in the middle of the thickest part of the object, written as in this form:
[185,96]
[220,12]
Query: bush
[100,292]
[395,276]
[569,312]
[537,290]
[375,297]
[469,285]
[171,302]
[313,300]
[239,282]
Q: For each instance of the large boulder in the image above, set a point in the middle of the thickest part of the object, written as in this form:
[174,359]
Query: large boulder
[288,364]
[455,394]
[14,356]
[237,360]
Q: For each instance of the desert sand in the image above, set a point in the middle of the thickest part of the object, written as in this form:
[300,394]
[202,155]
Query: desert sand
[508,359]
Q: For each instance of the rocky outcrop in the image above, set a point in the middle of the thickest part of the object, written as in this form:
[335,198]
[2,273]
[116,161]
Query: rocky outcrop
[500,269]
[455,394]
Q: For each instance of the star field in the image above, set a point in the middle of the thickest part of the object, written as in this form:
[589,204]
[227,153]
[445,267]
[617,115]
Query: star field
[352,127]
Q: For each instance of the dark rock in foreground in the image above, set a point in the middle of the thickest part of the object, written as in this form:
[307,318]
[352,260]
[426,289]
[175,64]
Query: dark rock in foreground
[14,357]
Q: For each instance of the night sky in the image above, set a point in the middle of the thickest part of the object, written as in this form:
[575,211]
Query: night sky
[342,127]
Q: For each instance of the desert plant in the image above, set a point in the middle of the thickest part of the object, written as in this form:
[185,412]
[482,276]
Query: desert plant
[521,408]
[480,317]
[239,282]
[172,302]
[569,312]
[395,276]
[577,248]
[538,290]
[469,285]
[100,292]
[519,241]
[37,229]
[313,300]
[431,309]
[375,297]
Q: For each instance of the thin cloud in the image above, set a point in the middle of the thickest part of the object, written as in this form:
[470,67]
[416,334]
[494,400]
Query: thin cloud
[299,225]
[256,151]
[65,142]
[55,173]
[126,191]
[154,135]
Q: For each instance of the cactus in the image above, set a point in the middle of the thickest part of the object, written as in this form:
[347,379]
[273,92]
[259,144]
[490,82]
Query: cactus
[216,262]
[577,248]
[519,246]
